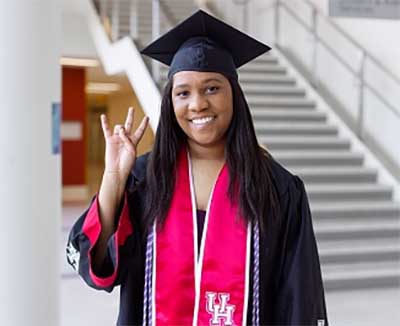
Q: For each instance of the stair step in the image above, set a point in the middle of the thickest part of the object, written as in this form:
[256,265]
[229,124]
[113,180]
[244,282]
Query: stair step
[284,102]
[142,29]
[312,175]
[286,115]
[248,78]
[180,12]
[303,142]
[145,12]
[254,69]
[298,129]
[358,250]
[378,228]
[262,61]
[304,158]
[361,275]
[144,21]
[356,209]
[263,70]
[266,90]
[342,220]
[343,192]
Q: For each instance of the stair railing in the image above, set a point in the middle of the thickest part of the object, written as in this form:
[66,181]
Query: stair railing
[245,12]
[156,32]
[369,91]
[110,12]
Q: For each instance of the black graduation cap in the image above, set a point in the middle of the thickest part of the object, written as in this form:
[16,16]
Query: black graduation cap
[204,43]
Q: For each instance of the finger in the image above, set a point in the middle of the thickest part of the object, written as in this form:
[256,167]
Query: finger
[117,128]
[104,126]
[137,136]
[127,142]
[129,120]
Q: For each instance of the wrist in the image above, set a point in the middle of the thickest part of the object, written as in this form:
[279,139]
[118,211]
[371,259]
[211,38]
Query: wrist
[112,185]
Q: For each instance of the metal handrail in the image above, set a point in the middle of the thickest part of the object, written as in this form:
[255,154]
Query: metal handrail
[109,11]
[365,56]
[354,42]
[245,17]
[171,20]
[383,100]
[325,44]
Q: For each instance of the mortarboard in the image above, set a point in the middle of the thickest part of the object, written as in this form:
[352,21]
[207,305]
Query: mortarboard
[204,43]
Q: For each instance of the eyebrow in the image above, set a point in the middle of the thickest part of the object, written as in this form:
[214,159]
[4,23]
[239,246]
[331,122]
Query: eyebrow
[204,82]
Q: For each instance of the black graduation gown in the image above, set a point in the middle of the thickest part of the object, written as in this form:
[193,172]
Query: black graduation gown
[291,288]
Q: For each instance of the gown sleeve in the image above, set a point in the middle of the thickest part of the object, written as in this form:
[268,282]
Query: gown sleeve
[121,245]
[300,299]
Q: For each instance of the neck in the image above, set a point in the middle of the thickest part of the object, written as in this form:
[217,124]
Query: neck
[212,152]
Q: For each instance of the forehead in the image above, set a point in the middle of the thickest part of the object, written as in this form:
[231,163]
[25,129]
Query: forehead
[196,77]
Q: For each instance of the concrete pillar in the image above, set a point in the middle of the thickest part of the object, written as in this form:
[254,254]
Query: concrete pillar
[30,173]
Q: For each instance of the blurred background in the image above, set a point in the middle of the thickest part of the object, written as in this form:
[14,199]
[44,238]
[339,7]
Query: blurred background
[325,102]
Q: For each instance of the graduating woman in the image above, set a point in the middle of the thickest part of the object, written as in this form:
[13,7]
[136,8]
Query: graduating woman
[207,228]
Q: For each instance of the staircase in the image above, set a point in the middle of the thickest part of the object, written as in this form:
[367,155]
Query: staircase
[174,11]
[356,221]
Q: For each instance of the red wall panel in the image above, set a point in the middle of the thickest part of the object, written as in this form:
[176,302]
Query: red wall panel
[74,109]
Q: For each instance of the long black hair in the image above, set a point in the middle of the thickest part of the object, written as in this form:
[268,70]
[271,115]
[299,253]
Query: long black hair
[248,163]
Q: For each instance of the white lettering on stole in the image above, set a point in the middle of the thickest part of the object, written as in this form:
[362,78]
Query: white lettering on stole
[73,256]
[221,311]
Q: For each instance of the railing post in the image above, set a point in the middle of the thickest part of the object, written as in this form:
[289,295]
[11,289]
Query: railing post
[361,99]
[133,19]
[314,62]
[246,15]
[277,22]
[156,31]
[103,10]
[115,20]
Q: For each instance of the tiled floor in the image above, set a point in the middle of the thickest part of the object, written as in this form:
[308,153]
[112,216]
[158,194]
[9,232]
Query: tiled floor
[83,306]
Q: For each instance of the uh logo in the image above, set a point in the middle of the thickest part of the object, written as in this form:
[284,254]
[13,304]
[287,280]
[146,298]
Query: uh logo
[222,312]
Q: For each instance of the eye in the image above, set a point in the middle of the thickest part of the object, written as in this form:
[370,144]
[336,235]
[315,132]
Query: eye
[182,94]
[212,89]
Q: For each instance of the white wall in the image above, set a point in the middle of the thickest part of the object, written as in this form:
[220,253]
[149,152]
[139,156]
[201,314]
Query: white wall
[76,39]
[378,36]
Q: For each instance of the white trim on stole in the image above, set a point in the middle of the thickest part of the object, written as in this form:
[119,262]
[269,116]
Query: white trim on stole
[153,285]
[199,262]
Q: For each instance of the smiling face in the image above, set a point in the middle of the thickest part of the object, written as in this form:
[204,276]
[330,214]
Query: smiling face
[203,106]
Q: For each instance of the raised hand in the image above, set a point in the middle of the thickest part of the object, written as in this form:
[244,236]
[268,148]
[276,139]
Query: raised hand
[119,160]
[121,146]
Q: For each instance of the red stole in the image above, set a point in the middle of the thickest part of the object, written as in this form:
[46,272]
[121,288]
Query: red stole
[211,289]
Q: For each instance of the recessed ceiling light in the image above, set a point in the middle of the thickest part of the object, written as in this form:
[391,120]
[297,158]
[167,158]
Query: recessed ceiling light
[102,88]
[79,62]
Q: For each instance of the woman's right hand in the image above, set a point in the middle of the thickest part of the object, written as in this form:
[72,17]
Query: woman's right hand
[121,150]
[121,147]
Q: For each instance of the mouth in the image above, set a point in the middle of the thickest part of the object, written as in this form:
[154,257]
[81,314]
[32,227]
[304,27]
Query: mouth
[202,121]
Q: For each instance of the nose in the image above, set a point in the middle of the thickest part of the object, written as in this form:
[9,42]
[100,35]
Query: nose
[198,103]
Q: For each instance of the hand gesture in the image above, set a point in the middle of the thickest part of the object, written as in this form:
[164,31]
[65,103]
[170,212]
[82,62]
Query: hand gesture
[121,146]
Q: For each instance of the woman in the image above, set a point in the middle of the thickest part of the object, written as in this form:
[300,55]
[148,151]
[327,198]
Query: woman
[207,228]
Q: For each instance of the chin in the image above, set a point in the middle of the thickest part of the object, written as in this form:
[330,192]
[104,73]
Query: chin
[206,141]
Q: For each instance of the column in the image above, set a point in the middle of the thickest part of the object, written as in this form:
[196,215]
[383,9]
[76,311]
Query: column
[30,173]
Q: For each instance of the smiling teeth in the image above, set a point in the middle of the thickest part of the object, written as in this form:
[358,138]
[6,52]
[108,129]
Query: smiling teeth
[202,120]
